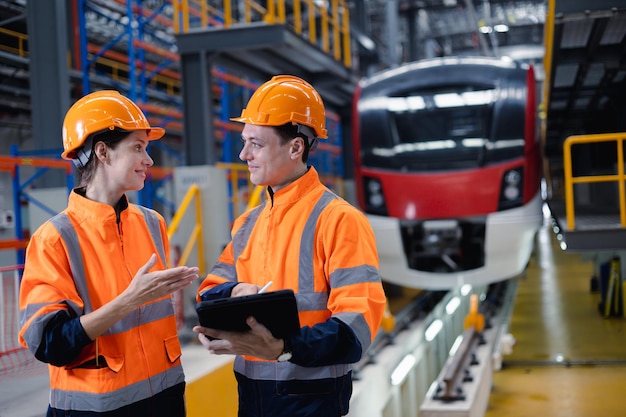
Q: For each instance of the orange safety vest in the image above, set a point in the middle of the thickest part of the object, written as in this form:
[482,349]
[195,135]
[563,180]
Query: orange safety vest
[78,261]
[307,239]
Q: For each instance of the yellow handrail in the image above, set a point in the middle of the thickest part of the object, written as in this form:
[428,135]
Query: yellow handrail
[304,13]
[255,197]
[236,173]
[548,44]
[21,41]
[196,235]
[570,180]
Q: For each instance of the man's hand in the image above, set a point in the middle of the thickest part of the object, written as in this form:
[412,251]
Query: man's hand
[243,288]
[258,341]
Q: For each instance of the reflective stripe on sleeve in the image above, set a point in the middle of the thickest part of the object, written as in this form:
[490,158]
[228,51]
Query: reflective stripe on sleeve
[224,270]
[357,275]
[356,321]
[312,301]
[34,332]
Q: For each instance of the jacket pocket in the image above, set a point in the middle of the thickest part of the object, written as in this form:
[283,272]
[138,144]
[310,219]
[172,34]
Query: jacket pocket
[172,348]
[93,375]
[114,363]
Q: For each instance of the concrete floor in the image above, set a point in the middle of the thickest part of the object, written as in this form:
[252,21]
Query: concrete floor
[568,359]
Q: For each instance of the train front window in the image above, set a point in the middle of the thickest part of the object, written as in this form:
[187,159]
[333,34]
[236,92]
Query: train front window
[436,129]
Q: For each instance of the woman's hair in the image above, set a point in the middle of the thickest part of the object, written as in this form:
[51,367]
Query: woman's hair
[289,131]
[111,138]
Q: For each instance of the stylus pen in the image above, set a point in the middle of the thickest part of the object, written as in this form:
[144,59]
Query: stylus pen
[265,287]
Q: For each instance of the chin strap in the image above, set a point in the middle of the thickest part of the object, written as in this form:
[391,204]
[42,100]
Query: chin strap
[310,135]
[82,158]
[83,155]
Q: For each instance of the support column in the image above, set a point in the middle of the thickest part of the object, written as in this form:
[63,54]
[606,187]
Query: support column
[199,138]
[413,29]
[392,33]
[49,78]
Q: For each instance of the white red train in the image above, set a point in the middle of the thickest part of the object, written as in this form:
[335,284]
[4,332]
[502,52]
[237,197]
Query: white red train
[448,169]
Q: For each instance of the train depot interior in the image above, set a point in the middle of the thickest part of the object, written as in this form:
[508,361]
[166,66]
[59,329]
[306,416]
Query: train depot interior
[483,139]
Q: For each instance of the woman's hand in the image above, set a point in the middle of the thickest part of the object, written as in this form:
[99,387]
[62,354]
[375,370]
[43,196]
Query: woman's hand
[147,286]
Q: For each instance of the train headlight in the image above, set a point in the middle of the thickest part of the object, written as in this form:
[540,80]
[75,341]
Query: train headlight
[511,193]
[374,198]
[377,200]
[373,186]
[511,190]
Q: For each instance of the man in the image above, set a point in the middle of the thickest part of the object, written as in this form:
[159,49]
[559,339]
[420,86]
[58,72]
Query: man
[304,238]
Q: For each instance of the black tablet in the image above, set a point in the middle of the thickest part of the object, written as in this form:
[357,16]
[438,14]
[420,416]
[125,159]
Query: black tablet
[276,310]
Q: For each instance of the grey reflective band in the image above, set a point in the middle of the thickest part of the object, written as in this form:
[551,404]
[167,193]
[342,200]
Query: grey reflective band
[109,401]
[307,244]
[287,371]
[66,229]
[147,313]
[33,333]
[155,231]
[312,301]
[359,326]
[224,270]
[240,240]
[356,275]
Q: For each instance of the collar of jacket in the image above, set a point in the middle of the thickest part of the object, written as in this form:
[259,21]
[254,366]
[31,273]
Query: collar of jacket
[294,191]
[91,210]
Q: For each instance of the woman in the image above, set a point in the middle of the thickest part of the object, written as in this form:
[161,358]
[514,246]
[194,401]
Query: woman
[96,295]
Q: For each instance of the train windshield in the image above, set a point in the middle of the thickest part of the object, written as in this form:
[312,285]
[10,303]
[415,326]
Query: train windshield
[445,128]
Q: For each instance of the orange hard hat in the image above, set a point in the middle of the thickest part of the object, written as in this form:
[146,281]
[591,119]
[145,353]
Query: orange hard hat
[102,110]
[284,99]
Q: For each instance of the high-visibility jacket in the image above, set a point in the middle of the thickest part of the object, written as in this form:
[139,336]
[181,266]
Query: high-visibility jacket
[79,260]
[305,238]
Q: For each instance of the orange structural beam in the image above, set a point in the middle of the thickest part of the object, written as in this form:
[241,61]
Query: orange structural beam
[158,173]
[164,111]
[235,127]
[234,79]
[167,124]
[155,49]
[13,244]
[9,168]
[12,161]
[334,149]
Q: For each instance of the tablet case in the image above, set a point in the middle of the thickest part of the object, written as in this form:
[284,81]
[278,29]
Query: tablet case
[276,310]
